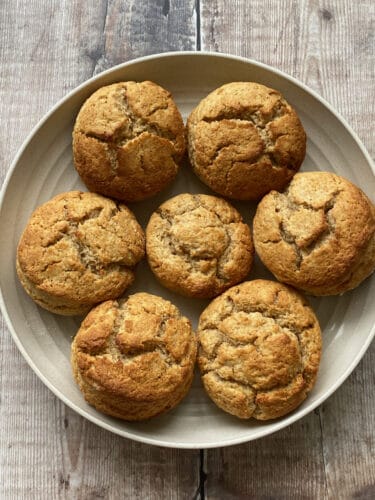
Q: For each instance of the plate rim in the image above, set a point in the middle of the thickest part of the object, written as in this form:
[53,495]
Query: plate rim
[285,421]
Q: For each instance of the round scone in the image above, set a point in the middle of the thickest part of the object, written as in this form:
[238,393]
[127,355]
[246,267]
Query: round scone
[244,139]
[318,235]
[259,349]
[128,139]
[198,245]
[134,359]
[77,250]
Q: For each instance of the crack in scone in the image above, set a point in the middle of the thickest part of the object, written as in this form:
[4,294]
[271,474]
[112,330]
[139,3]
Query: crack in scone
[79,249]
[196,237]
[72,232]
[139,349]
[287,209]
[244,139]
[134,126]
[125,350]
[122,344]
[267,347]
[260,123]
[128,140]
[193,260]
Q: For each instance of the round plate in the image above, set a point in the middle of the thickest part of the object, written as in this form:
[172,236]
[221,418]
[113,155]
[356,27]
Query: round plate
[44,168]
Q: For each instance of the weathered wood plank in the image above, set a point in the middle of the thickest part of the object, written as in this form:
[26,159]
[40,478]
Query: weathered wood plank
[329,46]
[98,464]
[348,423]
[46,449]
[285,465]
[134,29]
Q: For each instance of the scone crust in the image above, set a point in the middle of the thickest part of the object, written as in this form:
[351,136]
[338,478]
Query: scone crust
[79,249]
[259,349]
[318,235]
[244,139]
[128,139]
[134,359]
[198,245]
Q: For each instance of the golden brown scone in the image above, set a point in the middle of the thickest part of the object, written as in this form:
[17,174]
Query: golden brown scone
[244,139]
[78,249]
[134,359]
[318,235]
[259,349]
[198,245]
[128,140]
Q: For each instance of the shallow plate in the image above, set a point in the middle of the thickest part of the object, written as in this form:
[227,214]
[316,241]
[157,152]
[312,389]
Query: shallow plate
[44,168]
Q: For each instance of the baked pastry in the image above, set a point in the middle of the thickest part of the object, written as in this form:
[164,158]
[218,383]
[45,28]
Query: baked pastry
[244,139]
[198,245]
[318,235]
[134,359]
[78,249]
[259,349]
[128,139]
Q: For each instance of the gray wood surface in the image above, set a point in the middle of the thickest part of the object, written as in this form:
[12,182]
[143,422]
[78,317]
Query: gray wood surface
[46,49]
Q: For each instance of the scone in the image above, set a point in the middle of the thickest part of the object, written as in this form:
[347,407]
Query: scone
[134,359]
[198,245]
[128,139]
[244,139]
[259,349]
[78,249]
[318,235]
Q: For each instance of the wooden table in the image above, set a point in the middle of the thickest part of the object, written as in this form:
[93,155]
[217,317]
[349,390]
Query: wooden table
[49,47]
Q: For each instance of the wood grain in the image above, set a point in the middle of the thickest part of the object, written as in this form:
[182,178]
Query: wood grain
[134,29]
[288,464]
[47,451]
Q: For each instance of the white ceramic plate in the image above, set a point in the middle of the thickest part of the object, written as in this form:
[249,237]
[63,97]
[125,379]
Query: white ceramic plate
[44,168]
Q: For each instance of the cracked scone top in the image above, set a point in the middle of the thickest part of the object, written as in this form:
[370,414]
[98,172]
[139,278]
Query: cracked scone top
[134,359]
[244,139]
[318,235]
[78,249]
[198,245]
[128,140]
[259,349]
